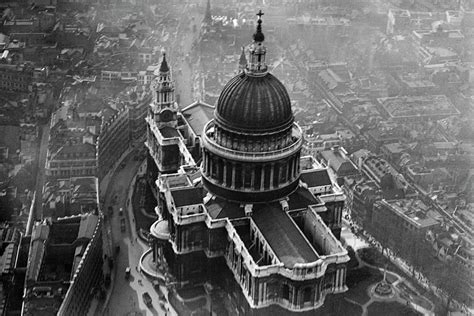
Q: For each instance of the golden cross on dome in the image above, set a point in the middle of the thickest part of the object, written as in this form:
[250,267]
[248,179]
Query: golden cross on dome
[260,13]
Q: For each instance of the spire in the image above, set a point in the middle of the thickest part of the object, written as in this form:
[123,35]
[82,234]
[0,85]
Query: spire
[257,65]
[207,14]
[258,36]
[164,65]
[242,60]
[162,85]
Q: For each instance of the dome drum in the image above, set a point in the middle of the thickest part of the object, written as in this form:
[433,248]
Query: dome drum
[238,147]
[250,196]
[263,179]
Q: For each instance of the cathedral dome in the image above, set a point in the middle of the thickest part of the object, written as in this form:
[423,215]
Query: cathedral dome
[254,104]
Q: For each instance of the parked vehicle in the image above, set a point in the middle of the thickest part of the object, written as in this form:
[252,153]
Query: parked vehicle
[122,225]
[147,299]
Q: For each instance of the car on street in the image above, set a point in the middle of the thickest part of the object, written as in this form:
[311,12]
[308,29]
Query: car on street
[122,225]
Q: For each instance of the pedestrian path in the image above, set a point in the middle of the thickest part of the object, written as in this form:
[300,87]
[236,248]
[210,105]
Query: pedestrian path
[399,293]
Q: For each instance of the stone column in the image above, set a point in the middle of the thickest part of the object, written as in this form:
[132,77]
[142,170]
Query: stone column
[209,163]
[290,169]
[262,178]
[297,163]
[232,185]
[288,172]
[204,162]
[272,171]
[279,173]
[224,178]
[252,179]
[295,172]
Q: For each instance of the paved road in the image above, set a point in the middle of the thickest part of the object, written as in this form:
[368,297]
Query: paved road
[126,294]
[124,299]
[43,149]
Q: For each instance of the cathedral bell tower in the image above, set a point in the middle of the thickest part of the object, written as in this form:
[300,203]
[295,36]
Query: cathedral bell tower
[162,120]
[164,108]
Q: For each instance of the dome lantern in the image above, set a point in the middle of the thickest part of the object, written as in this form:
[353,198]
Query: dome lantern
[257,51]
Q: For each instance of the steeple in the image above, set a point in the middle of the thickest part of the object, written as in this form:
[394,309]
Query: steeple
[164,65]
[242,61]
[257,51]
[163,92]
[207,15]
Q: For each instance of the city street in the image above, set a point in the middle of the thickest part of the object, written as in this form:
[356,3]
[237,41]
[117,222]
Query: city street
[43,150]
[126,294]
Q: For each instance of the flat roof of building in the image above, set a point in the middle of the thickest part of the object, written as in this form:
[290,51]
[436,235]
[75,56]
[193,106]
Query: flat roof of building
[316,178]
[220,208]
[197,115]
[301,198]
[169,132]
[414,211]
[38,246]
[421,106]
[187,196]
[283,236]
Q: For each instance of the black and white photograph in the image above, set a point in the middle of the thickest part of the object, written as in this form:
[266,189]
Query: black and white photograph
[237,157]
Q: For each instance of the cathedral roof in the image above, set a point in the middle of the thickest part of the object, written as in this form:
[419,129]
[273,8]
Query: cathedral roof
[197,115]
[254,100]
[254,103]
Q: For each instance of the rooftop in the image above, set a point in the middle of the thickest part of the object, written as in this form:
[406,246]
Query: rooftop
[187,196]
[283,236]
[74,149]
[337,161]
[301,198]
[418,106]
[197,115]
[316,178]
[414,211]
[220,208]
[169,132]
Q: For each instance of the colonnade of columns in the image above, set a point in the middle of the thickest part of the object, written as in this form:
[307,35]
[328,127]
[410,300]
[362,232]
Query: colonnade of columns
[251,176]
[236,263]
[295,295]
[340,279]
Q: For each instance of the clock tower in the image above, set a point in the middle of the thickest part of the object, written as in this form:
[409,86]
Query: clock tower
[164,107]
[163,137]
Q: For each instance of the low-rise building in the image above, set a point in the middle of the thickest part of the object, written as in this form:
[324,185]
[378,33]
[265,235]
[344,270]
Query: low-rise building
[16,77]
[418,108]
[394,219]
[338,161]
[114,138]
[64,266]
